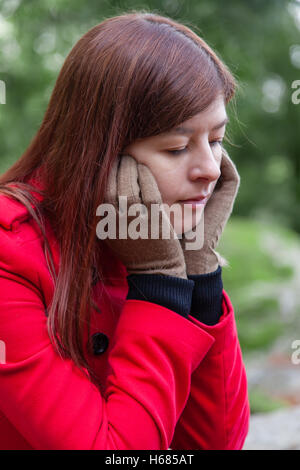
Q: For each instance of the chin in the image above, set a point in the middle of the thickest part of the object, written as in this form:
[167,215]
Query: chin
[182,226]
[184,220]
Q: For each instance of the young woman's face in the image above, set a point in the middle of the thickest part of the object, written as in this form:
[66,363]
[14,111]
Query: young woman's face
[185,163]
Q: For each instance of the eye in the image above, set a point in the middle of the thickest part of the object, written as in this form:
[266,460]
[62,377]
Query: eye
[214,142]
[177,152]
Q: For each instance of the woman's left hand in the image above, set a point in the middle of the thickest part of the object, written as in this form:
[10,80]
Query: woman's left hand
[214,218]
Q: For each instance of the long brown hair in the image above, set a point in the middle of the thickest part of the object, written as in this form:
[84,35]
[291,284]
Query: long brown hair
[132,76]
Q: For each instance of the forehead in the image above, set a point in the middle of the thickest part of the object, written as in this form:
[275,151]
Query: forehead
[213,117]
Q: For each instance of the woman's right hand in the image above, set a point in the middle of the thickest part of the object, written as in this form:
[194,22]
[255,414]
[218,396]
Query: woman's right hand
[148,255]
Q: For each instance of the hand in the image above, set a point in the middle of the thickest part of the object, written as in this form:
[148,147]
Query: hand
[142,255]
[214,218]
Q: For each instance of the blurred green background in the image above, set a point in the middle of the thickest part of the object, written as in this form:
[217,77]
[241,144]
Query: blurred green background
[259,40]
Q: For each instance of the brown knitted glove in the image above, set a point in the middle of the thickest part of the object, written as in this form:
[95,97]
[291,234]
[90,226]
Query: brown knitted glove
[216,214]
[149,255]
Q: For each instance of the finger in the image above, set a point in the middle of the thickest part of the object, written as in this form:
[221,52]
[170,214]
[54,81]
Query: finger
[228,168]
[128,184]
[111,190]
[148,185]
[229,178]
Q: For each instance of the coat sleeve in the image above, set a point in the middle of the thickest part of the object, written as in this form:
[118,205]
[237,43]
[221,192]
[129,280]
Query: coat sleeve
[216,416]
[53,405]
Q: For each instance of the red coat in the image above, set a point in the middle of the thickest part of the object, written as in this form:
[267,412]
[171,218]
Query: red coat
[170,382]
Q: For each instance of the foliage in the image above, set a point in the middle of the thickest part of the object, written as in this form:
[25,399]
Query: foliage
[261,402]
[257,39]
[263,262]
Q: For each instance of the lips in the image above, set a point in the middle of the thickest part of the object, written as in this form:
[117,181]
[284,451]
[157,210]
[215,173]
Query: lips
[202,198]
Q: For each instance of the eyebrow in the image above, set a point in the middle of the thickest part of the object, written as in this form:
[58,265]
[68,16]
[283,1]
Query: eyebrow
[188,130]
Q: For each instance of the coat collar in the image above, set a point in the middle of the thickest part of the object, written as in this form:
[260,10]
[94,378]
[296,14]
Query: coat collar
[12,212]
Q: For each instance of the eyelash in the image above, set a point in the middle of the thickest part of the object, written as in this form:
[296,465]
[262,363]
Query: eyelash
[178,152]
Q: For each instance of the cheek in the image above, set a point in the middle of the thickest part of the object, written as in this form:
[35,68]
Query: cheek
[168,177]
[219,158]
[163,184]
[166,170]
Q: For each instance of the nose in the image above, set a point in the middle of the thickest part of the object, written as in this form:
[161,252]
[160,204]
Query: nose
[205,165]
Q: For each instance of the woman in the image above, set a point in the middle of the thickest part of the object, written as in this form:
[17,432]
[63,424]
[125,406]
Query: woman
[115,343]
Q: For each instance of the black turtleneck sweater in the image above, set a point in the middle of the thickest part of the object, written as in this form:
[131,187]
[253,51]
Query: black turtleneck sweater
[199,296]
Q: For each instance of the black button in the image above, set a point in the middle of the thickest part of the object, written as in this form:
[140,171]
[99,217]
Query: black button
[99,343]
